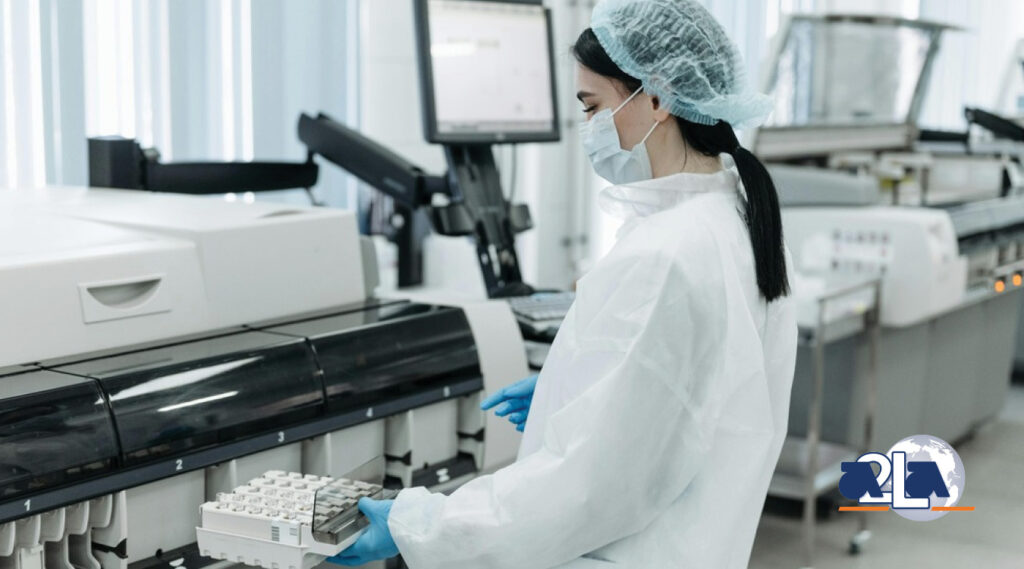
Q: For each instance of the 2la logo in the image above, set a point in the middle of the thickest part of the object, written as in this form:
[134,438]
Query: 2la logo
[921,478]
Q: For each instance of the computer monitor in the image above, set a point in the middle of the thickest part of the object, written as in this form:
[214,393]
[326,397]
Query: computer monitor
[486,71]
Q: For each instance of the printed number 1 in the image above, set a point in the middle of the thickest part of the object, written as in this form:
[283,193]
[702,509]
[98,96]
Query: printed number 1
[177,464]
[28,505]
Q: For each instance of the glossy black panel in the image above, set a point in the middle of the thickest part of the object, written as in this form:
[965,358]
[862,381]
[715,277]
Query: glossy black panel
[54,429]
[388,351]
[181,398]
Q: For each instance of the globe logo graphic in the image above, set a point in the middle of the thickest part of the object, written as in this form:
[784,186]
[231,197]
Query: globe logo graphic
[926,448]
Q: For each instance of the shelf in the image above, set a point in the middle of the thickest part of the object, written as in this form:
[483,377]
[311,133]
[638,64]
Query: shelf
[790,478]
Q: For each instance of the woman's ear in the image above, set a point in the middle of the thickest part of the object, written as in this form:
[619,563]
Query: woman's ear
[660,113]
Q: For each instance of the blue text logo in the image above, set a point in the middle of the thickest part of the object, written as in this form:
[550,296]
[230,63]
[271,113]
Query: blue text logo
[921,478]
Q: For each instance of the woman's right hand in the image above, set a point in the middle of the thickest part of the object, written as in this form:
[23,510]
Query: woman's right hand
[514,401]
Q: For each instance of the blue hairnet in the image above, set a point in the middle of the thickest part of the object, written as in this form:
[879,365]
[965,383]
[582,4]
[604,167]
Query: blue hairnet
[682,56]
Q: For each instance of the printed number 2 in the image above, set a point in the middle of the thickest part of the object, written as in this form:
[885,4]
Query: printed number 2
[280,436]
[177,464]
[28,505]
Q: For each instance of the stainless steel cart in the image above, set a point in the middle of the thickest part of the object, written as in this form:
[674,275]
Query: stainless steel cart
[822,461]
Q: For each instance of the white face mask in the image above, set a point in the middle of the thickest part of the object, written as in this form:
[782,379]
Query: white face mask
[609,159]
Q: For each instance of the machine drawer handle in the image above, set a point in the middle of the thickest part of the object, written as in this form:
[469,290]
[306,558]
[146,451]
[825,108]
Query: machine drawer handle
[125,298]
[125,295]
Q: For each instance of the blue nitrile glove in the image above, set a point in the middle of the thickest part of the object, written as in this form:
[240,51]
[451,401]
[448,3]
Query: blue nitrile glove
[514,400]
[376,542]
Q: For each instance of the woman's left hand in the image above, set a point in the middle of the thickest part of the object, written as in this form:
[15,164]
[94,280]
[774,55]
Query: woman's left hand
[515,401]
[376,542]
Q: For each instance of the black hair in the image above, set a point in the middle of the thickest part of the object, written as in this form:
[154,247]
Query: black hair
[764,221]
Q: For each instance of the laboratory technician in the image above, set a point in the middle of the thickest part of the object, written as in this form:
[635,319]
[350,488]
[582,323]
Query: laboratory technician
[655,424]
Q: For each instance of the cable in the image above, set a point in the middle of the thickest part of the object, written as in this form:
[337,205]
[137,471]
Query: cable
[312,198]
[512,181]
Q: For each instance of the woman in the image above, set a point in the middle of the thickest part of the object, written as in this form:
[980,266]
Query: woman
[660,413]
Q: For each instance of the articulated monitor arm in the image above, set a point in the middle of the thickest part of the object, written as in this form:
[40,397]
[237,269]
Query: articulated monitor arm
[999,126]
[475,206]
[116,162]
[214,178]
[369,161]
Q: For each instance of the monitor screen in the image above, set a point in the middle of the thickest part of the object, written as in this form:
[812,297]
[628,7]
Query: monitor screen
[487,72]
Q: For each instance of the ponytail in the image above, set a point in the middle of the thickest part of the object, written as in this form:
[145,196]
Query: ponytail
[764,221]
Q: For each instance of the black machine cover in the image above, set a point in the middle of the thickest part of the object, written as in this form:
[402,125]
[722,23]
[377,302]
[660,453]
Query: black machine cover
[54,429]
[185,397]
[388,350]
[77,430]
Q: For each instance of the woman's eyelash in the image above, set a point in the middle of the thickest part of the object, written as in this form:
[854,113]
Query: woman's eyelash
[590,108]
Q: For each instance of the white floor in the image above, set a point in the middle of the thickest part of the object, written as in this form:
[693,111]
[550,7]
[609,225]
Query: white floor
[991,537]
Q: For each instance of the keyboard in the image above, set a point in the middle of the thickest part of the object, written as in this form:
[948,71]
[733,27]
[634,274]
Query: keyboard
[542,306]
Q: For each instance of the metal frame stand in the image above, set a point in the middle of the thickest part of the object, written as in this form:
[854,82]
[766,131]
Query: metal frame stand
[813,485]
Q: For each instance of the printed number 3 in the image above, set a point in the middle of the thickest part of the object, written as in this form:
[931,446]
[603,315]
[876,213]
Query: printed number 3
[280,436]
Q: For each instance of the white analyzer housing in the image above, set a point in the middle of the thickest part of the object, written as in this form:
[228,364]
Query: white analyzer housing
[157,350]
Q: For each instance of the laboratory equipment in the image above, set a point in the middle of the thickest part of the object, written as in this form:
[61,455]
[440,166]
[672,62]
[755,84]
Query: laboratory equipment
[486,72]
[118,162]
[409,186]
[470,202]
[167,348]
[868,193]
[101,268]
[487,76]
[284,520]
[1011,105]
[809,468]
[542,306]
[1011,92]
[915,248]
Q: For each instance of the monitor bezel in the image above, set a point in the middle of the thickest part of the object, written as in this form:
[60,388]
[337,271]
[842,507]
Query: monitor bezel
[426,78]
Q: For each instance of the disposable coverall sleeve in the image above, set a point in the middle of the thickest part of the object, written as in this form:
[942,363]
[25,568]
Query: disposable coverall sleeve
[648,339]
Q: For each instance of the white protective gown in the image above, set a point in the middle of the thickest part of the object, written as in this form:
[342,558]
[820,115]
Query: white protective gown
[658,416]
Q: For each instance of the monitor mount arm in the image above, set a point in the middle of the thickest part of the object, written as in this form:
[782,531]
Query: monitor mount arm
[369,161]
[117,162]
[475,204]
[999,126]
[479,208]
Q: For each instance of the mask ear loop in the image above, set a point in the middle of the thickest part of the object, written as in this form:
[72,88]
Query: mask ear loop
[648,135]
[628,99]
